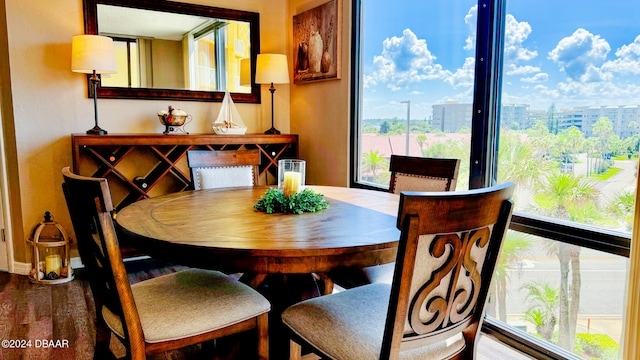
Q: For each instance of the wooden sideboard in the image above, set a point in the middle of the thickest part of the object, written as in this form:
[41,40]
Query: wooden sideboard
[139,166]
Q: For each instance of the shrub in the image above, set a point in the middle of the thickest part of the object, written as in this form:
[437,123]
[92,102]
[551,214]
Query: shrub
[598,346]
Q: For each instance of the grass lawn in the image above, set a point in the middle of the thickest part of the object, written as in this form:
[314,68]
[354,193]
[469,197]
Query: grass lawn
[605,175]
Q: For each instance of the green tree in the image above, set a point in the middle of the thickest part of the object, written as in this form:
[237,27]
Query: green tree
[384,128]
[543,306]
[454,149]
[571,142]
[372,162]
[518,160]
[622,206]
[422,140]
[515,247]
[561,194]
[603,142]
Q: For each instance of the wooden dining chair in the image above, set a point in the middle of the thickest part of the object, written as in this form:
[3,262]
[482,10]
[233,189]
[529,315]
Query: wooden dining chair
[160,314]
[408,173]
[434,307]
[225,168]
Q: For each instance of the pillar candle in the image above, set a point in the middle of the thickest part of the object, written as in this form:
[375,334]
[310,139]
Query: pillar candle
[291,183]
[53,263]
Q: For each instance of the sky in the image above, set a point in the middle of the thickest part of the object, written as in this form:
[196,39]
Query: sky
[557,52]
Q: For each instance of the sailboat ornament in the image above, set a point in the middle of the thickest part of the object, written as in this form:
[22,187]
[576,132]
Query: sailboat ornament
[229,121]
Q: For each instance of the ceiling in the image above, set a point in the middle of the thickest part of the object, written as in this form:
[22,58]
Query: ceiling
[128,22]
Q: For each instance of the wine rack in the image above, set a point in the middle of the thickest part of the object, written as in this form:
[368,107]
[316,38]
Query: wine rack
[139,166]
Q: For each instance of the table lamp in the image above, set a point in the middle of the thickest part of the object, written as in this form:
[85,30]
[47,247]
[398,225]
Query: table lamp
[93,54]
[273,69]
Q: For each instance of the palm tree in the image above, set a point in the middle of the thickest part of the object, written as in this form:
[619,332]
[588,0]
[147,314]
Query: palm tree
[623,206]
[561,196]
[515,247]
[372,162]
[543,301]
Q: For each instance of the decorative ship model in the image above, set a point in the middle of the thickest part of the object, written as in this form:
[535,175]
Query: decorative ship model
[229,121]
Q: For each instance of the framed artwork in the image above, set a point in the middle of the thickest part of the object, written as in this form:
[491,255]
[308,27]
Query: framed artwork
[316,40]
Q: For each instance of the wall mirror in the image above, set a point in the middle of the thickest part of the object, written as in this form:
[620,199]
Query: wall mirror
[172,50]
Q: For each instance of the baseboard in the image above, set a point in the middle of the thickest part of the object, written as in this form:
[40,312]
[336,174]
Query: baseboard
[76,263]
[21,268]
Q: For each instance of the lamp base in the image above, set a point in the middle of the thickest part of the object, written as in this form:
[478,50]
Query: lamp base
[273,131]
[96,130]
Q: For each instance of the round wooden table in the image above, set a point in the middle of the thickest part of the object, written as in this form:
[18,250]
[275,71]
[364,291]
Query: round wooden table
[219,229]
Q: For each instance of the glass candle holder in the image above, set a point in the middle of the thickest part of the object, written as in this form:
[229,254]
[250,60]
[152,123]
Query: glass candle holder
[291,176]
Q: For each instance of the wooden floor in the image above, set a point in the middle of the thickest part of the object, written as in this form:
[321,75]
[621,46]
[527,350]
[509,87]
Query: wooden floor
[58,322]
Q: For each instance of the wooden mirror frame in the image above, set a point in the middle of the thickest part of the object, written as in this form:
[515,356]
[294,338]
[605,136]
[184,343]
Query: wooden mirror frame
[91,27]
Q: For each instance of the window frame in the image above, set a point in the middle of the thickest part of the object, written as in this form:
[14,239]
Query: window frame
[483,159]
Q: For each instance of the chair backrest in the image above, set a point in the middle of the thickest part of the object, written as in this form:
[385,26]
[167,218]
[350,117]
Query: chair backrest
[449,245]
[226,168]
[89,203]
[409,173]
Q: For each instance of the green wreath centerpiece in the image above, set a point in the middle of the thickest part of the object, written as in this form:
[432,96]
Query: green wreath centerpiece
[274,201]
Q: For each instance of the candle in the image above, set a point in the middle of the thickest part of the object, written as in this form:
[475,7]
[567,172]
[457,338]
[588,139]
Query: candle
[53,263]
[292,182]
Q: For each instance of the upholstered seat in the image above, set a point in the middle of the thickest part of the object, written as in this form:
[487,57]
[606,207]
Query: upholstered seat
[202,300]
[331,320]
[434,307]
[408,173]
[163,313]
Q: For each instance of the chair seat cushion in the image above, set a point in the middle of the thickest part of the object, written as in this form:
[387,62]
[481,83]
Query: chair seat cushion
[188,303]
[350,325]
[350,277]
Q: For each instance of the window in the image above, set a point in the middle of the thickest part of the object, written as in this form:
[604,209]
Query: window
[540,93]
[127,59]
[417,73]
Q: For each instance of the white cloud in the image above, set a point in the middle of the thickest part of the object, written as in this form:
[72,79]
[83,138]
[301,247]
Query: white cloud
[513,69]
[471,19]
[515,35]
[580,55]
[539,77]
[464,75]
[404,60]
[628,61]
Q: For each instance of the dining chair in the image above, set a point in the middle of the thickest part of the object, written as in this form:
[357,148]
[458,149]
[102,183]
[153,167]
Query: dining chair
[408,173]
[225,168]
[434,307]
[163,313]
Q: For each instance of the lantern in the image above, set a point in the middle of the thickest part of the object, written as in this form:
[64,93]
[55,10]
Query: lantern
[51,256]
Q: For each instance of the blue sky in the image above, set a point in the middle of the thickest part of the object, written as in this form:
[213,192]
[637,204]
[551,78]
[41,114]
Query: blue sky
[558,52]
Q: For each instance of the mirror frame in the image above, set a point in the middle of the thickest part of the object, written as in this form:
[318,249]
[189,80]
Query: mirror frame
[91,28]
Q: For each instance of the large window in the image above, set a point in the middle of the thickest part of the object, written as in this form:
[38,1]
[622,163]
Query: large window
[552,105]
[417,73]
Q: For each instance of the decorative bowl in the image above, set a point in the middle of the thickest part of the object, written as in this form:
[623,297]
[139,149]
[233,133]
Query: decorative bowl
[175,117]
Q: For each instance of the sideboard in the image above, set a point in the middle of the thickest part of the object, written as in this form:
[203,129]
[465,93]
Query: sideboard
[139,166]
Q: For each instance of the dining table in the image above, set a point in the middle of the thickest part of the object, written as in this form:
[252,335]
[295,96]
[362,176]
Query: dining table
[220,229]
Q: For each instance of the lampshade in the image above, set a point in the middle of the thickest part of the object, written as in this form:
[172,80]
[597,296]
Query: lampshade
[272,68]
[93,52]
[245,72]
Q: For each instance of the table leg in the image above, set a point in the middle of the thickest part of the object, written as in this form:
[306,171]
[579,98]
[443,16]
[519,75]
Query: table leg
[327,282]
[253,280]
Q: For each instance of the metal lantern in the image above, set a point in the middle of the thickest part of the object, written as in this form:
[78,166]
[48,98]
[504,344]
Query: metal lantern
[51,255]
